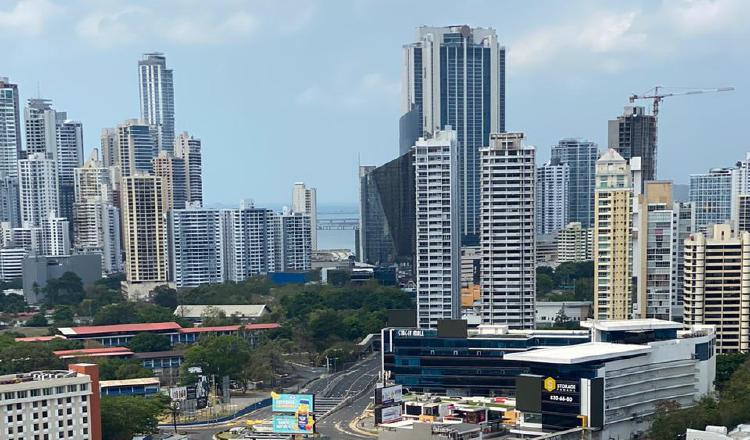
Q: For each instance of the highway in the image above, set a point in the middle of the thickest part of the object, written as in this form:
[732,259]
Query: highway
[329,391]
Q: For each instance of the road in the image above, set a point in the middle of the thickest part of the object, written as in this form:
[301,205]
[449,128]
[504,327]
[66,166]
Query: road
[331,390]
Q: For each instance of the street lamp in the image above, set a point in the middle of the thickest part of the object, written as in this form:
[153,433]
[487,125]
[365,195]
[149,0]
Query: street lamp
[175,407]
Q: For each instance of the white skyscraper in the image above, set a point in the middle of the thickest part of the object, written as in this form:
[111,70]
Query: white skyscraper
[305,201]
[157,97]
[249,241]
[10,128]
[37,189]
[188,149]
[40,121]
[438,266]
[293,241]
[56,236]
[552,185]
[507,238]
[196,246]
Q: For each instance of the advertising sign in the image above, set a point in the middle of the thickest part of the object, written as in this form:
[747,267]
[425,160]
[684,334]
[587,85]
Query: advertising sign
[293,424]
[561,396]
[388,395]
[178,393]
[388,414]
[292,403]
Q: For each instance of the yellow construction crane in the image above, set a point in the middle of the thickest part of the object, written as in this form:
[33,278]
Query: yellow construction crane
[657,94]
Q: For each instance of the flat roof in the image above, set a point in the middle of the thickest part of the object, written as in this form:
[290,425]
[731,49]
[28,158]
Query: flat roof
[631,325]
[223,328]
[268,326]
[240,310]
[129,382]
[579,353]
[118,328]
[39,338]
[93,352]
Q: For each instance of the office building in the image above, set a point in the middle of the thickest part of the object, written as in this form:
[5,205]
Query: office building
[40,122]
[711,194]
[136,147]
[156,93]
[716,291]
[108,144]
[69,157]
[437,228]
[552,191]
[742,217]
[172,172]
[574,243]
[293,242]
[455,76]
[188,149]
[144,229]
[96,218]
[580,156]
[37,189]
[29,238]
[387,222]
[10,209]
[305,201]
[634,135]
[196,246]
[249,241]
[52,404]
[10,128]
[39,269]
[683,224]
[56,233]
[508,239]
[612,235]
[11,263]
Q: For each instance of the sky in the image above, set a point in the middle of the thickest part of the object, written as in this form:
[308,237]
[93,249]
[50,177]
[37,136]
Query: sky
[282,91]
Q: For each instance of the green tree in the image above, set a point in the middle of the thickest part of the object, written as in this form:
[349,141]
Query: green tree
[37,320]
[544,284]
[12,303]
[121,369]
[214,317]
[68,289]
[165,296]
[219,355]
[112,282]
[63,316]
[123,417]
[26,356]
[584,289]
[123,313]
[145,342]
[726,365]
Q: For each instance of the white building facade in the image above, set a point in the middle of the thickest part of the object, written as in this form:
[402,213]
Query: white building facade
[552,189]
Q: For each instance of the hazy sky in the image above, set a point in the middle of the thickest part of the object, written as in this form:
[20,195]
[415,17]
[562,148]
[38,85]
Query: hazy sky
[283,91]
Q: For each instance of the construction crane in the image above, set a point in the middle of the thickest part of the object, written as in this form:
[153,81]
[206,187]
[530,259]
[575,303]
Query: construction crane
[657,97]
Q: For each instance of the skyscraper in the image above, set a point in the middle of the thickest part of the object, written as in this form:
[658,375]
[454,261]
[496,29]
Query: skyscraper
[293,241]
[172,171]
[136,146]
[157,97]
[574,243]
[38,189]
[305,201]
[580,156]
[56,233]
[196,246]
[634,135]
[249,241]
[455,76]
[10,128]
[683,224]
[508,246]
[40,121]
[9,200]
[438,265]
[612,238]
[69,157]
[188,149]
[110,153]
[722,258]
[711,195]
[552,190]
[144,229]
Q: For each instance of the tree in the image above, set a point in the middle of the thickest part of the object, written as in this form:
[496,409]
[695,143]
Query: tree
[584,289]
[121,369]
[726,365]
[26,356]
[213,317]
[112,282]
[63,316]
[124,313]
[145,342]
[123,417]
[12,303]
[165,296]
[38,320]
[68,289]
[219,355]
[544,284]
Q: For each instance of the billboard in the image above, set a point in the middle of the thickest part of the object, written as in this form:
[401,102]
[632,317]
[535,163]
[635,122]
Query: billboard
[178,393]
[292,403]
[388,395]
[294,424]
[387,414]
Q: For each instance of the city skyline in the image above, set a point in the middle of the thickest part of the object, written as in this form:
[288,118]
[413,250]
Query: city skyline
[359,89]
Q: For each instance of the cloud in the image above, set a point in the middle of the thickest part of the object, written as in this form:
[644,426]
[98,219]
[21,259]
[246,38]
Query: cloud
[350,92]
[700,17]
[28,16]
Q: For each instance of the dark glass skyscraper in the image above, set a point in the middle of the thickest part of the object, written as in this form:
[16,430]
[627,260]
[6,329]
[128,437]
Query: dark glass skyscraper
[456,76]
[580,156]
[634,135]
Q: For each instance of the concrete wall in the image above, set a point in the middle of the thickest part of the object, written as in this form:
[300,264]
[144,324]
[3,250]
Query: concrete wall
[37,270]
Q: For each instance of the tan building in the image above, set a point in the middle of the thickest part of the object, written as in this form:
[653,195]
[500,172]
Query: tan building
[172,171]
[612,198]
[574,243]
[717,286]
[144,227]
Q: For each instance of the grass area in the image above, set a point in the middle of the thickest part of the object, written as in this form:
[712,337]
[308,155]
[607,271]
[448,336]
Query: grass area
[27,331]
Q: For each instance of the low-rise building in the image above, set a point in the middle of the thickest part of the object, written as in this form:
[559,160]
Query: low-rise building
[548,312]
[243,312]
[142,387]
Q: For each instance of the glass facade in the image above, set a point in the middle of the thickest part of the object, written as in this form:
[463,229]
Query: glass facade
[581,157]
[711,195]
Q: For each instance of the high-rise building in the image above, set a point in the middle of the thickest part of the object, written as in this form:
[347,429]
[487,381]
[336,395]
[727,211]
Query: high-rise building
[508,246]
[455,76]
[552,191]
[40,121]
[10,128]
[653,244]
[305,201]
[69,157]
[249,241]
[188,149]
[634,135]
[580,156]
[293,241]
[574,243]
[157,97]
[109,143]
[437,228]
[196,249]
[38,189]
[11,263]
[144,229]
[136,147]
[716,290]
[10,210]
[387,223]
[56,236]
[172,171]
[29,238]
[711,194]
[96,218]
[683,224]
[612,238]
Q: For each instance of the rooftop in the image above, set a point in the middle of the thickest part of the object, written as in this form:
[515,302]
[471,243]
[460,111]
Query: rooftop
[129,382]
[118,328]
[631,325]
[93,352]
[240,310]
[580,353]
